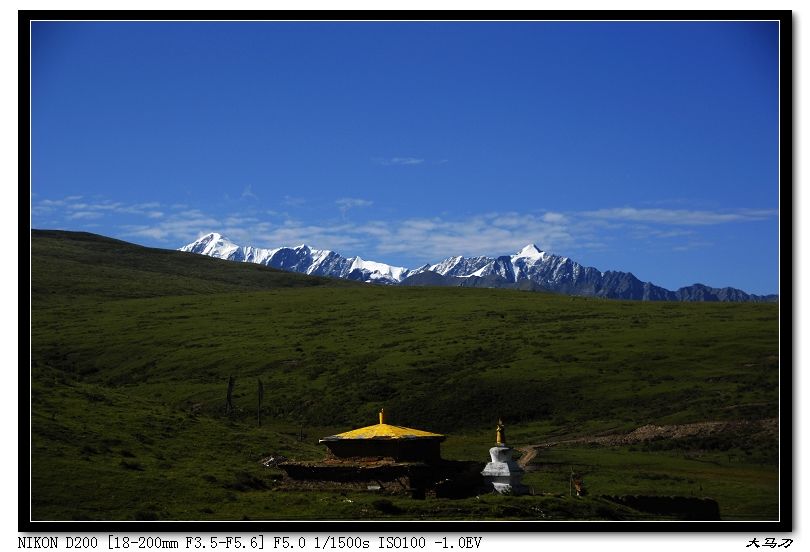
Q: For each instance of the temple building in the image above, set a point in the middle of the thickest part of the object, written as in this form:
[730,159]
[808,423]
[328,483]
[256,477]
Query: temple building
[387,458]
[382,440]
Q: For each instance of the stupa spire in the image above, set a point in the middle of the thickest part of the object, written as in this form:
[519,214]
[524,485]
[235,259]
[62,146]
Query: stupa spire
[503,473]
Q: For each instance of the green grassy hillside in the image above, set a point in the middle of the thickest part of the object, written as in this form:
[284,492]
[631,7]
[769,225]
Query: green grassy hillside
[132,349]
[70,265]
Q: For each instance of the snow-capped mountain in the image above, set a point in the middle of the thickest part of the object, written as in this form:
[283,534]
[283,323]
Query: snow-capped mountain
[316,262]
[530,268]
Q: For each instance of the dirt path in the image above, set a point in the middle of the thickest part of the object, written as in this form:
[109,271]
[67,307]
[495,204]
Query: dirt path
[650,432]
[529,453]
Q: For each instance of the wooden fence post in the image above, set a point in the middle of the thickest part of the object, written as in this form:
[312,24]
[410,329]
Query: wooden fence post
[228,399]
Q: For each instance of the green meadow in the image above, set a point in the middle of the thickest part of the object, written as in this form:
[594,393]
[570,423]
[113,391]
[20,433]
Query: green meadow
[132,348]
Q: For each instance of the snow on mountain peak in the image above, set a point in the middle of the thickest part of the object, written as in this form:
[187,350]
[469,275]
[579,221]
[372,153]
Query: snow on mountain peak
[212,244]
[531,251]
[392,272]
[543,271]
[214,238]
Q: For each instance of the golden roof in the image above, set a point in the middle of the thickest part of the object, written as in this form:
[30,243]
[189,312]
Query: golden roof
[384,431]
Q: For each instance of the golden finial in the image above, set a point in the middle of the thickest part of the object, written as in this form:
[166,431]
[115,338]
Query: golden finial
[382,415]
[500,433]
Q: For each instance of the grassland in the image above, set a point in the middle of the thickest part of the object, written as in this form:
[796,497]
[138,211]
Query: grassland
[132,349]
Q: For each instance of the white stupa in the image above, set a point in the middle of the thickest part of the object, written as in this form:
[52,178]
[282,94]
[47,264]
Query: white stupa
[502,472]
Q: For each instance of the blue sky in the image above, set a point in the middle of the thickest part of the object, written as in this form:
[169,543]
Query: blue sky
[644,147]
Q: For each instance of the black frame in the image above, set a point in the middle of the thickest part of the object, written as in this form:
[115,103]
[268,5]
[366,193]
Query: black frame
[786,380]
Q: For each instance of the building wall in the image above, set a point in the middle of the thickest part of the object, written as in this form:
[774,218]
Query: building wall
[405,450]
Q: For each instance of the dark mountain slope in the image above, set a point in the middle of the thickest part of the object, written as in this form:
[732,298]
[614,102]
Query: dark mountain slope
[70,264]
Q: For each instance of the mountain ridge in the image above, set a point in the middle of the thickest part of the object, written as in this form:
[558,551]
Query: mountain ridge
[529,269]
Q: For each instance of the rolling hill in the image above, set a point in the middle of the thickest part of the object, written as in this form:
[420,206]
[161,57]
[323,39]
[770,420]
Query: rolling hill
[132,348]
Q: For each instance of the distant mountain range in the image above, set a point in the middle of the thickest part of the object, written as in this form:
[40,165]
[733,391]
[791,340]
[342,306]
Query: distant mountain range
[528,269]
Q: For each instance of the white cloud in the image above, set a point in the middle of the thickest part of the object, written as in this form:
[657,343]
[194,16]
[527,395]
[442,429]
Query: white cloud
[692,245]
[237,220]
[73,209]
[84,215]
[346,203]
[292,201]
[423,239]
[175,228]
[349,202]
[680,217]
[247,193]
[554,217]
[489,234]
[399,161]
